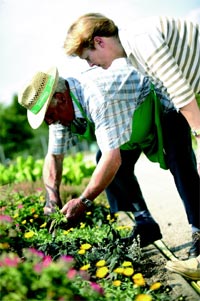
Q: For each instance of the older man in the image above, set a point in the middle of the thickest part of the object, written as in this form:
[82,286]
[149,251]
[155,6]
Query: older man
[127,115]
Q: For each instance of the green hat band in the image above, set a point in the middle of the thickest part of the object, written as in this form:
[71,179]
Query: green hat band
[44,96]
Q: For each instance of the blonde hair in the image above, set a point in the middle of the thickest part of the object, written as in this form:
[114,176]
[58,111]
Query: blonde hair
[82,32]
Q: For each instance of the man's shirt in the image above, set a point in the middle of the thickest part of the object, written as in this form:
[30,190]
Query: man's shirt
[168,50]
[109,98]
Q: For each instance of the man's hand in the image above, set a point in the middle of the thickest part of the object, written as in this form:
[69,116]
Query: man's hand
[74,210]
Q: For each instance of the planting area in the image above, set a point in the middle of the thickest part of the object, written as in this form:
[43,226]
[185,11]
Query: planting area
[47,259]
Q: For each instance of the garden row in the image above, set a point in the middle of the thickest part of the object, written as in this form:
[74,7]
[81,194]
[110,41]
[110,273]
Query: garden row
[45,260]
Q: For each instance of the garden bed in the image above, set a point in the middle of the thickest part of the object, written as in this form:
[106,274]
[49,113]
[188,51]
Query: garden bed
[87,262]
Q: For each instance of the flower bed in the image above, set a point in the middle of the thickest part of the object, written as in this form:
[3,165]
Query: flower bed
[87,262]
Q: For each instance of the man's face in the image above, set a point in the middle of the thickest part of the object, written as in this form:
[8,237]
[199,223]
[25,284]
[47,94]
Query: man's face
[62,111]
[102,56]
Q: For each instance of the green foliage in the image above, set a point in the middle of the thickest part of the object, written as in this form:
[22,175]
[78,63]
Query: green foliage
[75,169]
[71,264]
[16,135]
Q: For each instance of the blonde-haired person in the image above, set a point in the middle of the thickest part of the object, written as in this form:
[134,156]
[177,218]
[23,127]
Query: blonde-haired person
[113,99]
[164,48]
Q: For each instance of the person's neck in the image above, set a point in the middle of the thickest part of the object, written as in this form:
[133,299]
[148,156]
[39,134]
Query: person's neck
[119,50]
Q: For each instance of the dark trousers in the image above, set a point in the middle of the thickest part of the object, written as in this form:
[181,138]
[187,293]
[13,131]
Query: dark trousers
[124,193]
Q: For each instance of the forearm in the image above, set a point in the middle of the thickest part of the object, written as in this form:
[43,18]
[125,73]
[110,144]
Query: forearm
[105,171]
[103,175]
[192,114]
[52,175]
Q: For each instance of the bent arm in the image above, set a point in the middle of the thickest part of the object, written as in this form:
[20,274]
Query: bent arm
[191,112]
[102,176]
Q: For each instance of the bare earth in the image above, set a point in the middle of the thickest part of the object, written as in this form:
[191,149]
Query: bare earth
[167,208]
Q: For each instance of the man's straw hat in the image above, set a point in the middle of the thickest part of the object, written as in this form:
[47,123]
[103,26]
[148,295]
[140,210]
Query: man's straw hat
[37,94]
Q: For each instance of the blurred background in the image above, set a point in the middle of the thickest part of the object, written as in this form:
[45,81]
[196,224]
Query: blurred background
[32,34]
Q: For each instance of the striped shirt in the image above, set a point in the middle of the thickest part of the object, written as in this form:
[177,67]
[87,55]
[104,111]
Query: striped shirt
[167,50]
[109,99]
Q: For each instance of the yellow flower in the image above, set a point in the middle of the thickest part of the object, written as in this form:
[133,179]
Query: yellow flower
[41,198]
[119,270]
[35,215]
[23,222]
[116,282]
[32,210]
[16,215]
[143,297]
[82,225]
[65,232]
[128,271]
[31,220]
[108,217]
[29,234]
[85,267]
[102,272]
[43,225]
[85,246]
[138,279]
[127,264]
[100,263]
[4,245]
[81,252]
[88,213]
[155,286]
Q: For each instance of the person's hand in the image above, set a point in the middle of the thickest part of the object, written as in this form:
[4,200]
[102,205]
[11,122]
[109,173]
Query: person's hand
[74,210]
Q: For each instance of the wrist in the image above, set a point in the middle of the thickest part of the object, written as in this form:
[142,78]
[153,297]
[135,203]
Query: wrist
[196,132]
[87,203]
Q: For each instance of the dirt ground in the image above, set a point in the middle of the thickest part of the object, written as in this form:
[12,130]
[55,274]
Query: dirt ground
[167,208]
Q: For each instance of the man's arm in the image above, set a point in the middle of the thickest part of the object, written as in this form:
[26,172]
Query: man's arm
[52,175]
[192,114]
[102,176]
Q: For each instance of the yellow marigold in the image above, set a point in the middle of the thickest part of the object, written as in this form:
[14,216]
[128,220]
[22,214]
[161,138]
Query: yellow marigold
[127,264]
[41,198]
[119,270]
[65,232]
[143,297]
[85,267]
[23,222]
[108,217]
[43,225]
[85,246]
[88,213]
[102,272]
[100,263]
[128,271]
[31,220]
[138,279]
[16,215]
[4,245]
[35,215]
[82,225]
[116,282]
[155,286]
[81,252]
[29,234]
[32,210]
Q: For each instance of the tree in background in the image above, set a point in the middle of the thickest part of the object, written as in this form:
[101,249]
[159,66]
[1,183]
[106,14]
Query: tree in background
[16,136]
